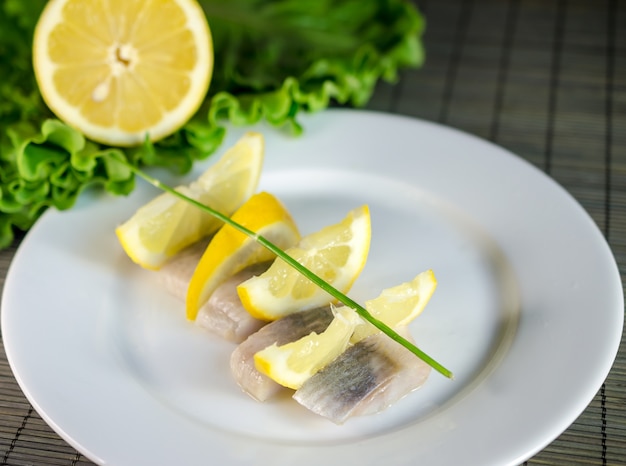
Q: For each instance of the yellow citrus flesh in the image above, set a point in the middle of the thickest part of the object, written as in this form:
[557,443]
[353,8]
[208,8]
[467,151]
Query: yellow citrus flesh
[399,305]
[292,364]
[231,251]
[337,254]
[166,225]
[119,70]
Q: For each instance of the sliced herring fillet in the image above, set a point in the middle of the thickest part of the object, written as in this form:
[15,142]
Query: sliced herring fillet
[365,379]
[224,314]
[281,331]
[175,275]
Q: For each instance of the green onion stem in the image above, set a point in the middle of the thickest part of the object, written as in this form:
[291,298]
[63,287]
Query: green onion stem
[334,292]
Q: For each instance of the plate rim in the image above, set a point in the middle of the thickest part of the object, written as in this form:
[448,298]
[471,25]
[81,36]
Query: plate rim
[347,114]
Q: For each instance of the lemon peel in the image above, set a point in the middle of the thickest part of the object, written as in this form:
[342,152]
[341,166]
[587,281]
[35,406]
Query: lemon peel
[230,251]
[166,225]
[119,71]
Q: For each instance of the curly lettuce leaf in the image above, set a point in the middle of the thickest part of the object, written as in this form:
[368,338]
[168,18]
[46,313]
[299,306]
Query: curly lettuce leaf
[273,60]
[50,166]
[278,58]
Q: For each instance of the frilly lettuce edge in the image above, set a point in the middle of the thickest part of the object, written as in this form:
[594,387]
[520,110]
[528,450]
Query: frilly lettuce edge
[50,167]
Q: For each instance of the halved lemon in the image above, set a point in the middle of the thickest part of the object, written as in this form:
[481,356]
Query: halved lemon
[231,251]
[120,70]
[292,364]
[336,253]
[399,305]
[166,225]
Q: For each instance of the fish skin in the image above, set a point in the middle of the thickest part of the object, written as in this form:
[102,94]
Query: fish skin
[365,379]
[223,313]
[282,331]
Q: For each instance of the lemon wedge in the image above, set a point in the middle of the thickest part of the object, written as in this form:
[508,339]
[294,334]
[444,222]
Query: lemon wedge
[119,71]
[167,224]
[231,251]
[292,364]
[336,253]
[399,305]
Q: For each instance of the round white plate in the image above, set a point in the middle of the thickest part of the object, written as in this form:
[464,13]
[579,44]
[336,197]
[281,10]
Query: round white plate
[528,313]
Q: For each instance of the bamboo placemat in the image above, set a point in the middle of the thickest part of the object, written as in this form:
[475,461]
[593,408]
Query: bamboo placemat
[544,79]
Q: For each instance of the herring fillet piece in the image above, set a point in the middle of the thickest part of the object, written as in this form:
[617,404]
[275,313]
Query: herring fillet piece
[175,275]
[224,314]
[282,331]
[365,379]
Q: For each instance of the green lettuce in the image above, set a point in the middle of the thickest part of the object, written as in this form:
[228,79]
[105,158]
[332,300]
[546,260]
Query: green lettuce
[273,60]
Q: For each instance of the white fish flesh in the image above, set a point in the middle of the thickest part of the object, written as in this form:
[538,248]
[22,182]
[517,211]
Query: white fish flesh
[365,379]
[282,331]
[224,314]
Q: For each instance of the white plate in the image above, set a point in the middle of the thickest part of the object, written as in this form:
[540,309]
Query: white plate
[528,313]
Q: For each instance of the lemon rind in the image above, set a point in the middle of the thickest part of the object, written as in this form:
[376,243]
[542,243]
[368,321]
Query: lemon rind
[173,120]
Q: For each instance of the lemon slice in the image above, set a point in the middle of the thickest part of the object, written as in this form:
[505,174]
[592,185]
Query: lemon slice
[118,70]
[399,305]
[166,225]
[337,254]
[292,364]
[231,251]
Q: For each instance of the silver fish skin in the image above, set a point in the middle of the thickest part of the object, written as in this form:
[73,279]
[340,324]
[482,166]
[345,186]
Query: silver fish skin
[224,315]
[365,379]
[282,331]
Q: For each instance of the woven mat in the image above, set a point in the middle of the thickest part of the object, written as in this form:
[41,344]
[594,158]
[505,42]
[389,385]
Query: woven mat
[546,80]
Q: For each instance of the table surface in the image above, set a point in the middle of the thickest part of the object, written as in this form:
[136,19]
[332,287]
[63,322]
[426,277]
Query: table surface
[546,80]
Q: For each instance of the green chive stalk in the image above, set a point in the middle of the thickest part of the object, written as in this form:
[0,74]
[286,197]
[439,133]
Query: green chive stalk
[334,292]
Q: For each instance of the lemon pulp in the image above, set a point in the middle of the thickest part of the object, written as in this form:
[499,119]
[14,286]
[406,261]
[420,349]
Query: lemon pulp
[120,70]
[336,253]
